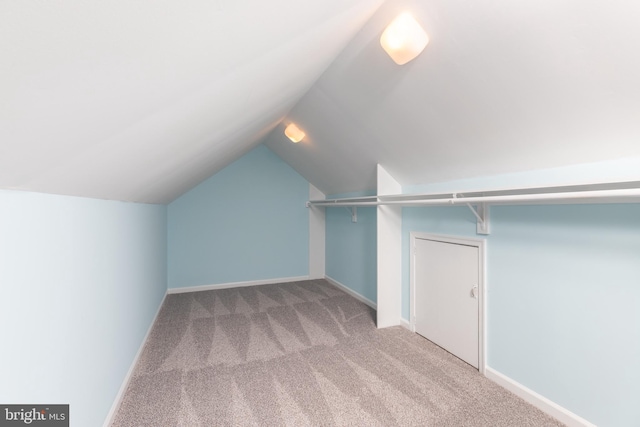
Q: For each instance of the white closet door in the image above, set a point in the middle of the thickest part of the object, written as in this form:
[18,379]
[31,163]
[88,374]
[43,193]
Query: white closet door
[446,292]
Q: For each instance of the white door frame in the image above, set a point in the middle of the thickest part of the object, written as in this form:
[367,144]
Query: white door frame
[481,244]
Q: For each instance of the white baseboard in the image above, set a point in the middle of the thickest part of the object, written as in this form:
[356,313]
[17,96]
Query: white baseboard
[235,285]
[406,324]
[125,383]
[351,292]
[537,400]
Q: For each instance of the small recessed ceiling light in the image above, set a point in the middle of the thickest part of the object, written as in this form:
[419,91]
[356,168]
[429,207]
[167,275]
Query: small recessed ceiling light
[293,133]
[404,39]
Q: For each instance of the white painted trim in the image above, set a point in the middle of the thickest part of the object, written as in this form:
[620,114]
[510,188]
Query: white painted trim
[545,405]
[406,324]
[389,253]
[351,292]
[317,250]
[125,383]
[235,285]
[481,244]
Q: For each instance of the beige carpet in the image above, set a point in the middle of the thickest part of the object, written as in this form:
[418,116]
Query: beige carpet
[302,354]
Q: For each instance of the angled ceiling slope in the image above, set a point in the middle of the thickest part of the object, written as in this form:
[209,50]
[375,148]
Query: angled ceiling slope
[501,87]
[140,101]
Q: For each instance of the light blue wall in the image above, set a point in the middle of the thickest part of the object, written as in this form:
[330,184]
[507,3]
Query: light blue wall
[80,282]
[563,302]
[247,222]
[351,248]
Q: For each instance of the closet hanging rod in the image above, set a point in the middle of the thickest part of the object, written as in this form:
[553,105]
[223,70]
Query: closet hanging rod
[519,191]
[351,199]
[595,196]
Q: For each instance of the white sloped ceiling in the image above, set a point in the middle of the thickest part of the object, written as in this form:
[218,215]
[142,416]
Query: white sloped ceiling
[503,86]
[141,100]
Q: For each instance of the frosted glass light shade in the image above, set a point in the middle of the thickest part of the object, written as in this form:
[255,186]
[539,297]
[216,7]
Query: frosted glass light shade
[293,133]
[404,39]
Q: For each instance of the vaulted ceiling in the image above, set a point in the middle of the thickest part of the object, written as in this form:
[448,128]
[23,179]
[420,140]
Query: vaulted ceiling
[142,100]
[502,86]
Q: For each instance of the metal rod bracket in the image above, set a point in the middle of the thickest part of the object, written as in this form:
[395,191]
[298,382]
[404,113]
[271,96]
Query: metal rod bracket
[354,213]
[481,212]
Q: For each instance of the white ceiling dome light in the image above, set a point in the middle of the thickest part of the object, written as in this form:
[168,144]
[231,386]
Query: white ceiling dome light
[294,133]
[404,39]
